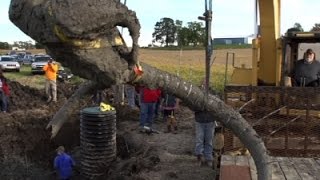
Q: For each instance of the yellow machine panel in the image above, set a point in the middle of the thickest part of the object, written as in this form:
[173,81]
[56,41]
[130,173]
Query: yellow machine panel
[267,51]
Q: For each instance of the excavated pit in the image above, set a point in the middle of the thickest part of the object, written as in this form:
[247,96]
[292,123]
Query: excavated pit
[27,152]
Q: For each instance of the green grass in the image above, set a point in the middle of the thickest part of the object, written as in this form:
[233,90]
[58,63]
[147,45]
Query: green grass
[200,47]
[190,68]
[25,77]
[77,80]
[196,74]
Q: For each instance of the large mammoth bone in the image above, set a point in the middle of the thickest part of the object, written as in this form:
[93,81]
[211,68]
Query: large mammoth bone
[82,36]
[70,21]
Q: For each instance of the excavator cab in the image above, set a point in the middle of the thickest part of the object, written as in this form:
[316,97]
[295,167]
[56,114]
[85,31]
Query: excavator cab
[294,46]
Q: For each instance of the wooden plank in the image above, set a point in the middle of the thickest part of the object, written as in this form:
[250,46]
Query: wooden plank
[302,169]
[277,173]
[232,172]
[242,160]
[288,169]
[228,160]
[253,169]
[313,166]
[284,168]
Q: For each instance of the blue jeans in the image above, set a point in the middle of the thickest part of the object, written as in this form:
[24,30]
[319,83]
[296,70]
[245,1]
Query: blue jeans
[4,101]
[97,97]
[156,108]
[146,114]
[204,137]
[131,94]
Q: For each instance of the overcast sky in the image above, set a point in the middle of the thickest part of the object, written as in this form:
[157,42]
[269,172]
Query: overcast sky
[231,18]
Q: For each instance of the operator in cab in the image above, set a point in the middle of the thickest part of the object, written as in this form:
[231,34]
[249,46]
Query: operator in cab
[306,72]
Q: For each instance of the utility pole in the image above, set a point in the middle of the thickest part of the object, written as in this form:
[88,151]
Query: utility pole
[125,3]
[207,17]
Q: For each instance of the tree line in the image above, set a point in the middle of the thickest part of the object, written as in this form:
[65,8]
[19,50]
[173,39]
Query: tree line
[298,27]
[172,32]
[169,32]
[21,44]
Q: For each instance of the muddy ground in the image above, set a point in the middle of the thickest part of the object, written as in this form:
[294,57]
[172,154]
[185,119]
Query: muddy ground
[27,152]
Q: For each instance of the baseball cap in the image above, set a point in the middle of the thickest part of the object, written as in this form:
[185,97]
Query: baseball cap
[309,51]
[60,149]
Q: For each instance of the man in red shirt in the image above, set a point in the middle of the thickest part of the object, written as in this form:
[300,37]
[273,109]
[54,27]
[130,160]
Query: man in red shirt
[148,99]
[4,93]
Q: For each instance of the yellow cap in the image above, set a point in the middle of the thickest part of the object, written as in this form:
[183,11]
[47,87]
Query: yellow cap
[106,107]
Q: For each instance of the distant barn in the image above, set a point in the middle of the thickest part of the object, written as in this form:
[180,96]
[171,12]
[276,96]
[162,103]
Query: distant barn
[232,40]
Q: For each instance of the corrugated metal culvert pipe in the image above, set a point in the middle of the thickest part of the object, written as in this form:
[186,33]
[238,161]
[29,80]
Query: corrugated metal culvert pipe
[97,141]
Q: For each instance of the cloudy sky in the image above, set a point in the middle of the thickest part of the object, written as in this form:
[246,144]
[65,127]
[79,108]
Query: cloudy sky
[230,17]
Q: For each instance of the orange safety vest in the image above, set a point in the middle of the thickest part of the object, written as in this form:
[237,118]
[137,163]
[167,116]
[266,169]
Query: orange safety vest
[51,71]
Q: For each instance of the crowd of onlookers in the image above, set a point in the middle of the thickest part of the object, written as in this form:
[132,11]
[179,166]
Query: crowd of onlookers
[154,103]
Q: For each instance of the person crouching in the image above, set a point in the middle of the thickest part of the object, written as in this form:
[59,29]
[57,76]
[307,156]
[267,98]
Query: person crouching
[168,105]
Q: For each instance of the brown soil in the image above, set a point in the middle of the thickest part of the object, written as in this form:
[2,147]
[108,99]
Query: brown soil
[26,151]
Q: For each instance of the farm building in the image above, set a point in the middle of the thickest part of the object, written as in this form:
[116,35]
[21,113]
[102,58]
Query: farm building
[233,40]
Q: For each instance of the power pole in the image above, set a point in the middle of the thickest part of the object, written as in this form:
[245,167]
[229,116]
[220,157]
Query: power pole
[207,17]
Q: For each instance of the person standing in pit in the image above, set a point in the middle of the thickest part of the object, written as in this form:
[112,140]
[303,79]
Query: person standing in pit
[63,163]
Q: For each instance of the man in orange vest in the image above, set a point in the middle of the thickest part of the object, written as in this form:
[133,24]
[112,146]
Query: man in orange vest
[51,70]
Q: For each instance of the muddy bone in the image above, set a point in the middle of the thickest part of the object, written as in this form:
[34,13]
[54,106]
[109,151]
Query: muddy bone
[83,24]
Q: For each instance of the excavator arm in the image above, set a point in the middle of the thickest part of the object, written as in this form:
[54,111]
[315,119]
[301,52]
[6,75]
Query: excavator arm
[269,63]
[267,53]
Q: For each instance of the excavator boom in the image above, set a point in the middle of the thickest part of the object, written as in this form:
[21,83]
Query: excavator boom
[269,64]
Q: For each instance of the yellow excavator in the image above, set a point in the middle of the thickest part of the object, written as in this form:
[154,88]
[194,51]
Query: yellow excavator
[286,117]
[273,55]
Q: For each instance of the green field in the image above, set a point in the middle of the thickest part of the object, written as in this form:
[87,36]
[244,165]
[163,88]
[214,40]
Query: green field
[25,77]
[188,64]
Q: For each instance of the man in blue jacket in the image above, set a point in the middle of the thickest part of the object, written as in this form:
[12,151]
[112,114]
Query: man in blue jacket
[63,163]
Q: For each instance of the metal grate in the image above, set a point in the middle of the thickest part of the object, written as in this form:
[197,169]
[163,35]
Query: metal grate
[287,118]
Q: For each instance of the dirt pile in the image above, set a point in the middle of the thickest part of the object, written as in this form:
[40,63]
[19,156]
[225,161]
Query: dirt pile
[25,97]
[26,149]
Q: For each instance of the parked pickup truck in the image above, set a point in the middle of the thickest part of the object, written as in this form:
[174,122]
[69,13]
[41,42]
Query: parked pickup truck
[38,63]
[64,74]
[8,63]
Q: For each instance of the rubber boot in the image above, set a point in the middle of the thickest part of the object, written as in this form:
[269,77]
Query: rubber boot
[209,164]
[200,160]
[175,130]
[168,129]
